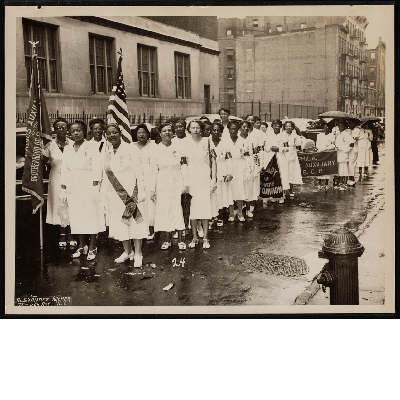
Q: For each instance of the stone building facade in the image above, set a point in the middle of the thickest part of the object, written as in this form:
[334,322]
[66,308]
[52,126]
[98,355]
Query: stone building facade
[167,69]
[305,61]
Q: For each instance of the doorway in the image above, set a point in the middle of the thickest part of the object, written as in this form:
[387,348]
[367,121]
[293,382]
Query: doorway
[207,102]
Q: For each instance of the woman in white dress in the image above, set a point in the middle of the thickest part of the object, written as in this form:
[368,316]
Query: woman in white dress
[81,173]
[142,151]
[123,182]
[237,149]
[201,180]
[222,197]
[168,181]
[274,146]
[344,142]
[53,154]
[291,140]
[325,142]
[364,159]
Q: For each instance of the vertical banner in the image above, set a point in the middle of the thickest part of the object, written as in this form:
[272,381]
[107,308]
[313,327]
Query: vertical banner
[32,178]
[270,180]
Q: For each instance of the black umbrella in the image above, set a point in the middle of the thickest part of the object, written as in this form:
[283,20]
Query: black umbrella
[370,118]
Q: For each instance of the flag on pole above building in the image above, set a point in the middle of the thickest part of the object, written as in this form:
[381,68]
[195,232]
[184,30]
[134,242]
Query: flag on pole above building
[117,111]
[38,130]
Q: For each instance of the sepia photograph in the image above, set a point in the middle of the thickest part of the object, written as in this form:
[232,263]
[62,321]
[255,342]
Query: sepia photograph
[200,160]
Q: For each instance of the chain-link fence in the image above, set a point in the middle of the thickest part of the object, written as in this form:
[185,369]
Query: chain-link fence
[270,111]
[133,119]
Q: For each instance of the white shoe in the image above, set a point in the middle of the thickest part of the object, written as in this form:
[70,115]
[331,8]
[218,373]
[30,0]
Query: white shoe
[206,244]
[80,251]
[249,214]
[124,257]
[150,237]
[281,201]
[165,245]
[175,235]
[242,219]
[231,219]
[182,246]
[138,261]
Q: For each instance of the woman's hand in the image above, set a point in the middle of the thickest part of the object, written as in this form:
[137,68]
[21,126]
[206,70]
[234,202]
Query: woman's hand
[153,196]
[63,194]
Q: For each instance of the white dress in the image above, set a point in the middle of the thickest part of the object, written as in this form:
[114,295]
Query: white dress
[123,166]
[353,153]
[364,158]
[79,170]
[325,143]
[222,197]
[275,140]
[55,156]
[168,179]
[257,139]
[343,140]
[241,171]
[293,165]
[141,158]
[199,177]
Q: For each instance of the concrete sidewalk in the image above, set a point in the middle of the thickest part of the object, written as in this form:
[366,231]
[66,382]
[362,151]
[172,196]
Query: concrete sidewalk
[371,266]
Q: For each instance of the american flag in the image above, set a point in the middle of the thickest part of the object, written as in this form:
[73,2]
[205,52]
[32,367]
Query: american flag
[117,111]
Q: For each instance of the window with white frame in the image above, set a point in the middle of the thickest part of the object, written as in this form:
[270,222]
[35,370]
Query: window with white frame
[372,56]
[228,32]
[372,84]
[147,70]
[231,94]
[101,63]
[182,75]
[303,25]
[255,23]
[279,28]
[46,49]
[229,54]
[230,72]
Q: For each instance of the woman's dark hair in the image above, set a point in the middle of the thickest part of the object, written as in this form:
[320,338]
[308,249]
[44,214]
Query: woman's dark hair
[291,123]
[234,122]
[60,120]
[204,119]
[250,115]
[97,121]
[180,121]
[225,110]
[201,124]
[144,126]
[277,122]
[82,124]
[164,124]
[245,122]
[257,119]
[264,123]
[220,126]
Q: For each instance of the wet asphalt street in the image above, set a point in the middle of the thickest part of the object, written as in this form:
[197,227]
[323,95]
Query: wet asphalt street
[199,277]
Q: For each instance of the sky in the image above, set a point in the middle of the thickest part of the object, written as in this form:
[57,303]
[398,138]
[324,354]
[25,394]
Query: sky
[374,30]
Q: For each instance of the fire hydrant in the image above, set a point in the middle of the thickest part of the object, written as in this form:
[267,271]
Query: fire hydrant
[340,274]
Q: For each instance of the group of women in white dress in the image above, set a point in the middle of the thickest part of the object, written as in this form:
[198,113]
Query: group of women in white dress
[189,179]
[353,144]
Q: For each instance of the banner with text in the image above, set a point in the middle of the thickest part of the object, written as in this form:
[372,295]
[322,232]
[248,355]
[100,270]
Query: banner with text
[317,164]
[270,180]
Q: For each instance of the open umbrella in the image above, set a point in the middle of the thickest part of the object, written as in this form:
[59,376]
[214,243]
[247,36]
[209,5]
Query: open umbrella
[370,118]
[336,114]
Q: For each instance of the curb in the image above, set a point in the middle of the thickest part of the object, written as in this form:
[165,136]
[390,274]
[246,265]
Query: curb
[311,290]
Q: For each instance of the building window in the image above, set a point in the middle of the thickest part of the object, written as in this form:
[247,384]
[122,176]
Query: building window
[229,54]
[228,32]
[303,25]
[269,30]
[147,70]
[182,75]
[255,23]
[372,70]
[46,50]
[372,56]
[230,72]
[100,60]
[279,28]
[231,94]
[372,84]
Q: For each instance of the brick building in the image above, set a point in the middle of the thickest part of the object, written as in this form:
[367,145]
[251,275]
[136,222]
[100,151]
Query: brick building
[170,64]
[375,72]
[313,62]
